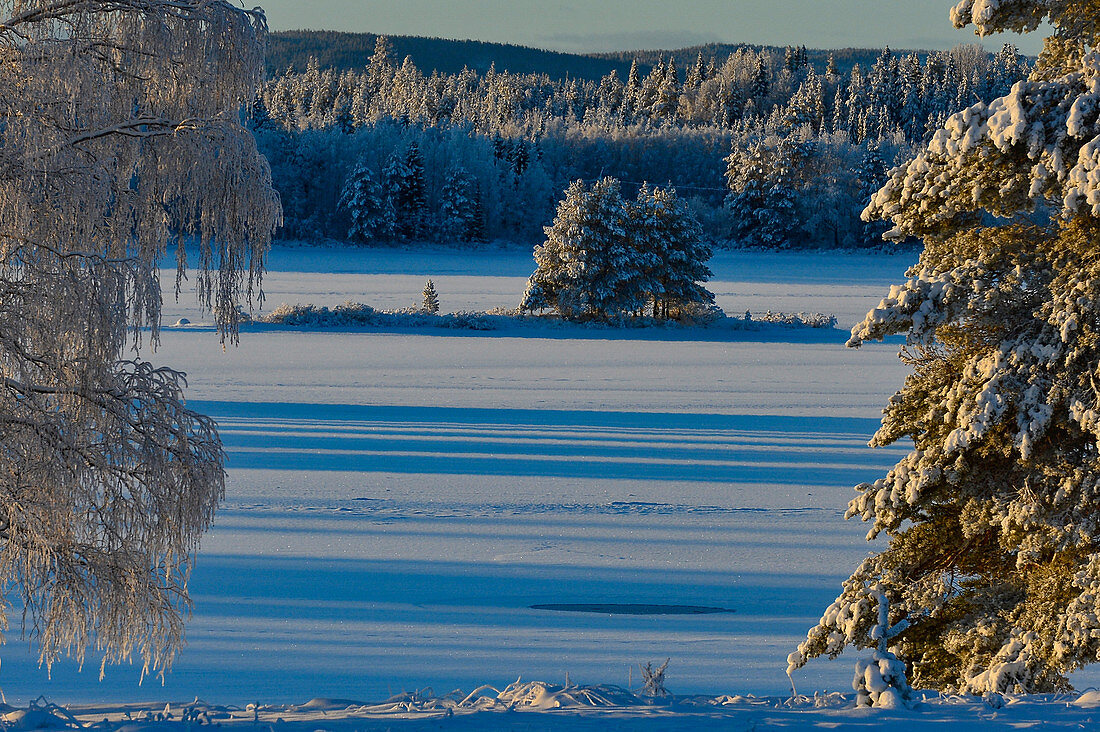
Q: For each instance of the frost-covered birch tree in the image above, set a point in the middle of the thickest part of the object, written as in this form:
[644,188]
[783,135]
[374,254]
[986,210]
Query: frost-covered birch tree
[993,519]
[120,136]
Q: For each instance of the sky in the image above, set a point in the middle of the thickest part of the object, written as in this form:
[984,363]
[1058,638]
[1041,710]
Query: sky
[620,25]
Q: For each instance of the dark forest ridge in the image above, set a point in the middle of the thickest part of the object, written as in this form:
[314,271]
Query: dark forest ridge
[337,50]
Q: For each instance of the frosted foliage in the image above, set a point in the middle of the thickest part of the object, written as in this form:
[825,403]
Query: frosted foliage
[1038,145]
[589,265]
[880,681]
[845,622]
[1004,473]
[992,516]
[1011,670]
[121,134]
[991,16]
[1075,22]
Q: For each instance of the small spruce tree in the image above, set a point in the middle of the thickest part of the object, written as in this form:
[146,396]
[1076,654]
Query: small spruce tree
[431,298]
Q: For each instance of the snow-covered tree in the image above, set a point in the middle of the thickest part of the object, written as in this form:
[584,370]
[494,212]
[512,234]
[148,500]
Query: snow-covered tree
[430,302]
[870,176]
[766,177]
[993,518]
[666,98]
[590,265]
[672,240]
[371,211]
[807,105]
[880,680]
[120,135]
[405,188]
[761,81]
[459,208]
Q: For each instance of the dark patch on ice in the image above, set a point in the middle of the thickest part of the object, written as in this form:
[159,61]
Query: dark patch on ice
[615,608]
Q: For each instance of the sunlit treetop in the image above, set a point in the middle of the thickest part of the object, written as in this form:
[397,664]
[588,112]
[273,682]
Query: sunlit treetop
[1076,25]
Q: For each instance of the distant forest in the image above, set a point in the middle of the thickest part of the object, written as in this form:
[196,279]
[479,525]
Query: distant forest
[769,147]
[292,50]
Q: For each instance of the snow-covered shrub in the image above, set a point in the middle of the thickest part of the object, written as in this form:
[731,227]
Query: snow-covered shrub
[310,315]
[353,314]
[809,320]
[654,679]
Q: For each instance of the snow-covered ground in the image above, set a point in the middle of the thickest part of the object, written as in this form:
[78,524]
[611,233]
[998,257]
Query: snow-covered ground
[398,501]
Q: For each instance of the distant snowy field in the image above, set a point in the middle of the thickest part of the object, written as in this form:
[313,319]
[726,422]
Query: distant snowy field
[399,500]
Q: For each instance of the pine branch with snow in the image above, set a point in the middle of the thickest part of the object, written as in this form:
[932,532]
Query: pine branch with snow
[993,556]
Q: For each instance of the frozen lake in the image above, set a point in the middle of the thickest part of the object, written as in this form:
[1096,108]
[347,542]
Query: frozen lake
[397,501]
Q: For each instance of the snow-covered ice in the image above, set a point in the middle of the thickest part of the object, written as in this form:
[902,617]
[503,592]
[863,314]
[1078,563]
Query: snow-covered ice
[398,501]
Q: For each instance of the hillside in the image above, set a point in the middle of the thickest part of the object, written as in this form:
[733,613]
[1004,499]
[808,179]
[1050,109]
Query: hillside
[293,49]
[341,51]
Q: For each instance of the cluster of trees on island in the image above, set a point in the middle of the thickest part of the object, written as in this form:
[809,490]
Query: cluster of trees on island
[607,258]
[497,149]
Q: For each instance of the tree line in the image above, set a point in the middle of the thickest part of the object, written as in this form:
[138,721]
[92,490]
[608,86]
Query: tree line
[520,139]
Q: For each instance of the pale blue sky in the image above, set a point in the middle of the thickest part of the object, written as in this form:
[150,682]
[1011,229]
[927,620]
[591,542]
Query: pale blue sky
[604,25]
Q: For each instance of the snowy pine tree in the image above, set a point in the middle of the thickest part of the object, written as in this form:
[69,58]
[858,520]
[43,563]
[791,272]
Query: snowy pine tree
[761,81]
[993,518]
[405,188]
[676,256]
[430,302]
[459,209]
[807,105]
[880,680]
[590,265]
[371,212]
[870,176]
[765,179]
